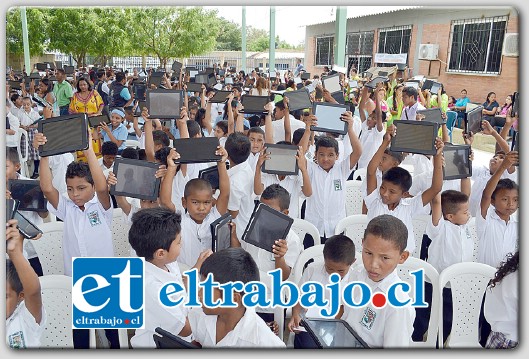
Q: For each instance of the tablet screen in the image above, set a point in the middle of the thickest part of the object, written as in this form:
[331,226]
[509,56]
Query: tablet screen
[29,194]
[473,120]
[165,340]
[221,233]
[332,83]
[457,163]
[211,174]
[11,207]
[64,134]
[373,83]
[26,228]
[254,104]
[176,67]
[220,97]
[139,91]
[201,78]
[136,179]
[68,70]
[298,100]
[328,117]
[334,333]
[415,137]
[164,103]
[282,160]
[228,80]
[197,150]
[194,86]
[266,226]
[94,121]
[432,115]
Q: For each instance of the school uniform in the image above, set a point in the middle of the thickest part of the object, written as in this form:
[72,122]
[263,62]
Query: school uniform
[501,308]
[104,168]
[406,210]
[451,244]
[326,206]
[293,186]
[241,195]
[177,192]
[250,332]
[371,139]
[363,186]
[252,160]
[193,169]
[86,233]
[59,165]
[172,319]
[410,112]
[387,327]
[496,238]
[421,164]
[22,331]
[279,127]
[120,133]
[423,181]
[196,237]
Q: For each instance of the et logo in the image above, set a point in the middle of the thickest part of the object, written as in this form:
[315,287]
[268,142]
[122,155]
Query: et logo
[108,293]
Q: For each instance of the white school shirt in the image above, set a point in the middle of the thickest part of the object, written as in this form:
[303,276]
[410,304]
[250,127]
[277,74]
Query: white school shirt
[293,186]
[501,306]
[451,244]
[481,175]
[14,124]
[104,168]
[59,165]
[279,127]
[315,272]
[86,233]
[241,195]
[172,319]
[193,169]
[423,181]
[363,186]
[250,332]
[196,237]
[179,184]
[410,112]
[387,327]
[421,163]
[326,206]
[406,210]
[496,238]
[252,160]
[22,331]
[27,119]
[371,139]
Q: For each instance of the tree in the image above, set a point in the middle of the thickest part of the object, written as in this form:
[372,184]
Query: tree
[230,37]
[112,35]
[257,39]
[37,31]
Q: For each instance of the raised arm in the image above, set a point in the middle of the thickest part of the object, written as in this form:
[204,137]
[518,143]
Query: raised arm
[362,105]
[231,120]
[353,138]
[166,188]
[371,173]
[46,184]
[100,182]
[378,110]
[206,122]
[258,186]
[302,164]
[269,128]
[224,181]
[181,123]
[310,120]
[437,177]
[436,209]
[149,140]
[121,200]
[286,123]
[489,130]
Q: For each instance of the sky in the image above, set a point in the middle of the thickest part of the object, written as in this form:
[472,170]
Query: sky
[291,20]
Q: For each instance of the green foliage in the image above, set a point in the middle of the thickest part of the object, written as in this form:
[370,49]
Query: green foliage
[37,31]
[230,37]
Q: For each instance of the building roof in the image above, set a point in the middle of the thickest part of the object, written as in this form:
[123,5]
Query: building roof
[370,11]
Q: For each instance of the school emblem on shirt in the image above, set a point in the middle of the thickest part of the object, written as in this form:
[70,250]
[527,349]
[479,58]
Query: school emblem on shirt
[369,318]
[93,217]
[337,185]
[16,340]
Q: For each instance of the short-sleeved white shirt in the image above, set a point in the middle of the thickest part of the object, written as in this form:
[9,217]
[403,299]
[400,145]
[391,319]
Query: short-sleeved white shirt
[293,186]
[86,233]
[104,168]
[501,306]
[371,139]
[252,160]
[406,210]
[423,181]
[326,206]
[193,169]
[59,165]
[250,332]
[172,319]
[496,238]
[22,331]
[387,327]
[279,127]
[451,244]
[241,195]
[179,184]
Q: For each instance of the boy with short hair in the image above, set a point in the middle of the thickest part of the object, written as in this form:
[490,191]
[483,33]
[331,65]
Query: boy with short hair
[383,248]
[109,150]
[155,234]
[238,327]
[257,141]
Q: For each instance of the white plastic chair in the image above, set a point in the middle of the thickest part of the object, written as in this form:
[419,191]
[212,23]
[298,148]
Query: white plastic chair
[361,172]
[471,225]
[23,134]
[468,282]
[419,228]
[132,143]
[315,252]
[302,227]
[57,301]
[353,227]
[353,197]
[431,276]
[49,248]
[120,234]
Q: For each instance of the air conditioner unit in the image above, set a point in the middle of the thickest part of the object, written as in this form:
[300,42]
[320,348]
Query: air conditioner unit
[428,51]
[510,44]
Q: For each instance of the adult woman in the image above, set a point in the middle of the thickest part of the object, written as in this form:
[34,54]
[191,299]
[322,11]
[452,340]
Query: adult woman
[44,95]
[260,88]
[86,100]
[499,119]
[490,106]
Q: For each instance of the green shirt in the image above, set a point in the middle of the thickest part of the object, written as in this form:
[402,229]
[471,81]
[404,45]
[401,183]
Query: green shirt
[63,92]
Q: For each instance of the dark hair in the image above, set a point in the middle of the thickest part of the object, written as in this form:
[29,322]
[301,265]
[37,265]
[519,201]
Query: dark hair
[275,191]
[394,107]
[410,91]
[389,228]
[141,154]
[130,152]
[398,176]
[326,141]
[256,129]
[12,277]
[201,113]
[339,248]
[14,97]
[280,105]
[238,147]
[100,73]
[398,156]
[223,125]
[109,148]
[153,229]
[161,155]
[160,138]
[297,135]
[488,95]
[231,265]
[197,184]
[61,71]
[504,183]
[120,76]
[193,128]
[451,200]
[48,84]
[79,169]
[12,155]
[510,265]
[283,143]
[87,82]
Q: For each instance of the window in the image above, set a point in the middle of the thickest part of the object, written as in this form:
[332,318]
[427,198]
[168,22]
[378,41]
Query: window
[394,40]
[476,45]
[324,50]
[360,50]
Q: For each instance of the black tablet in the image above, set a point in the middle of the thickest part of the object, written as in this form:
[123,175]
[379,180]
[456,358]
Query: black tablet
[202,78]
[221,233]
[41,66]
[29,194]
[305,76]
[209,70]
[373,82]
[26,228]
[136,179]
[332,83]
[383,73]
[220,97]
[64,134]
[94,121]
[212,79]
[11,208]
[328,116]
[164,103]
[415,137]
[14,85]
[166,340]
[139,108]
[457,162]
[432,115]
[69,70]
[211,174]
[176,67]
[155,79]
[34,76]
[282,160]
[194,87]
[266,226]
[338,96]
[139,89]
[333,333]
[473,120]
[197,150]
[298,100]
[254,104]
[515,104]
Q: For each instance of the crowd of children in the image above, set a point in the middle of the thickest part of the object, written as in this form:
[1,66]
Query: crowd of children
[173,231]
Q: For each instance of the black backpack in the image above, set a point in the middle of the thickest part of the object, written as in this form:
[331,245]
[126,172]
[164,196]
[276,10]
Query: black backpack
[102,93]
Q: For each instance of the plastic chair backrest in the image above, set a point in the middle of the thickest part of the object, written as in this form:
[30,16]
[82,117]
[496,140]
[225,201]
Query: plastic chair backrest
[471,225]
[23,140]
[353,197]
[419,228]
[49,248]
[314,252]
[132,143]
[120,234]
[302,227]
[353,227]
[451,119]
